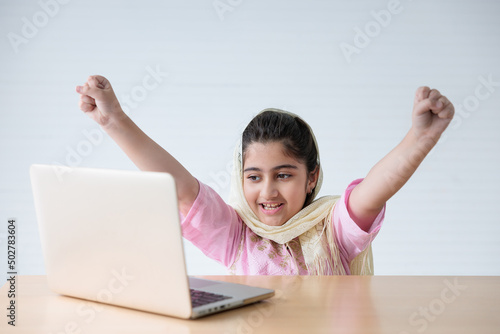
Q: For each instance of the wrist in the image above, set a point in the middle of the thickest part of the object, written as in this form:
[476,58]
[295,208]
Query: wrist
[420,142]
[116,121]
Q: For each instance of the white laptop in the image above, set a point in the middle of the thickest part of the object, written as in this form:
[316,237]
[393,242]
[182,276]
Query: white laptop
[114,236]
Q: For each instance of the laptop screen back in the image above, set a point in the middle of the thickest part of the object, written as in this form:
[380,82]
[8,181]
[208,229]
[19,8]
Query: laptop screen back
[112,236]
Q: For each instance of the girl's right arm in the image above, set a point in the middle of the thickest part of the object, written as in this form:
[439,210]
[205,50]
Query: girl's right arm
[99,102]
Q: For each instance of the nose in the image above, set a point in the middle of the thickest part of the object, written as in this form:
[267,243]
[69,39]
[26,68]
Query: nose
[269,189]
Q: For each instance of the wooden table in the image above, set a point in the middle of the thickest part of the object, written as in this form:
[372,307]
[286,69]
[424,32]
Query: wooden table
[303,304]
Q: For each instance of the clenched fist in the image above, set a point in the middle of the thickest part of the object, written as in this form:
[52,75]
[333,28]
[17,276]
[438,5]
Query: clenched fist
[432,112]
[98,100]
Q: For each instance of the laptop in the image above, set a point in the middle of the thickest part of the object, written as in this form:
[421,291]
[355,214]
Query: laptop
[114,236]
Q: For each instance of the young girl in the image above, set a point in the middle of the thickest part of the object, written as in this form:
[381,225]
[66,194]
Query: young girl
[273,224]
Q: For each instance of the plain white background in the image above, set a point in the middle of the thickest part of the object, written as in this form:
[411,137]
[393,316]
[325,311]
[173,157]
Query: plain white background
[221,62]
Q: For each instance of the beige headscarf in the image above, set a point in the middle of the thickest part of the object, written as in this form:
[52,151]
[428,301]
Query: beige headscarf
[312,225]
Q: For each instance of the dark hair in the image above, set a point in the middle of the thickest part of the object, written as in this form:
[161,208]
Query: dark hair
[290,130]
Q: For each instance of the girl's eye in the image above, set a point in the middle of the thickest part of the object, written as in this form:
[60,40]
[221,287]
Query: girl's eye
[284,176]
[253,178]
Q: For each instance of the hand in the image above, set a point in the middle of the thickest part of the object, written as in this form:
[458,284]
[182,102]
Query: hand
[432,112]
[98,100]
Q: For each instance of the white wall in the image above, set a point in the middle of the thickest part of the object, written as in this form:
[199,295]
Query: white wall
[224,67]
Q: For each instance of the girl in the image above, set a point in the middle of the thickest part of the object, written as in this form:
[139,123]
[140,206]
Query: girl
[274,225]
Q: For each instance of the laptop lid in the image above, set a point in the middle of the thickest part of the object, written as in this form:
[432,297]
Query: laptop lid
[112,236]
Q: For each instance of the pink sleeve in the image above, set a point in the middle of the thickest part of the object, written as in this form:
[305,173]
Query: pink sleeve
[213,226]
[352,239]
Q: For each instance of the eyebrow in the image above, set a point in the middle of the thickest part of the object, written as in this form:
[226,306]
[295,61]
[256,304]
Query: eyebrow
[255,169]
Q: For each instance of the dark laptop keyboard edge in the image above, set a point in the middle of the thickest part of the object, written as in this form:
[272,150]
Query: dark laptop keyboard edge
[200,298]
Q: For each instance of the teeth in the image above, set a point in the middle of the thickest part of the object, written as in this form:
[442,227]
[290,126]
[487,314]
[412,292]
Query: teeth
[270,206]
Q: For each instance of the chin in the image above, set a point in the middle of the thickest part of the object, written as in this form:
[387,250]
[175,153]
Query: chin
[272,223]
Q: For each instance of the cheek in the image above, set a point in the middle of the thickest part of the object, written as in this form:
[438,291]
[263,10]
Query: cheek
[299,197]
[249,193]
[297,193]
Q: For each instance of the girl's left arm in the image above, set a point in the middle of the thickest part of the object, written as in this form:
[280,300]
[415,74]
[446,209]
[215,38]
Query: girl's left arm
[432,112]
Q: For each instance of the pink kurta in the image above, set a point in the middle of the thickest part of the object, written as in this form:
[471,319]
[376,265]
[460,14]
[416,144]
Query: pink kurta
[216,229]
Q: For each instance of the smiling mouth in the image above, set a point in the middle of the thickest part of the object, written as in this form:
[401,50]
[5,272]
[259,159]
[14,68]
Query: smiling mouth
[270,207]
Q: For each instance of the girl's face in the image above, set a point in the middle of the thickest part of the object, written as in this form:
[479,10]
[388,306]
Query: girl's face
[275,185]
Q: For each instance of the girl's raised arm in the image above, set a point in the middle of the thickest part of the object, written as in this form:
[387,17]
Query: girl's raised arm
[432,112]
[99,102]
